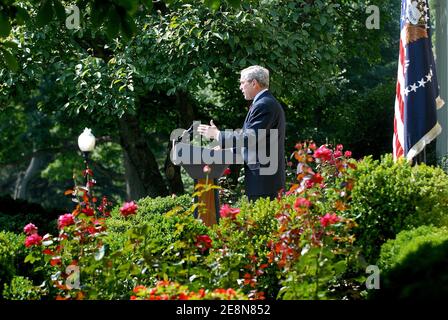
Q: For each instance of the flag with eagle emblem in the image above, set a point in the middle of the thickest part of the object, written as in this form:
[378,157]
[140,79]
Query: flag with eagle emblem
[417,95]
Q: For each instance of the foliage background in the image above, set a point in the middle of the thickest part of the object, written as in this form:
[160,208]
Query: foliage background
[135,76]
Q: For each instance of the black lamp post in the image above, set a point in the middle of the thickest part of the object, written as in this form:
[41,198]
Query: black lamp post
[86,143]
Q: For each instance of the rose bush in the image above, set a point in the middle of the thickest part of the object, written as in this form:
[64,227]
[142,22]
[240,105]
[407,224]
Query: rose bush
[301,245]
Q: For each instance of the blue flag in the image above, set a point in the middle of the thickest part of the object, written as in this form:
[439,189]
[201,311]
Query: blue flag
[417,94]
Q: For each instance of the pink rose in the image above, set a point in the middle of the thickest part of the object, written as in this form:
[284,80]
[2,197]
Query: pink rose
[329,219]
[128,208]
[33,240]
[65,220]
[302,203]
[228,212]
[309,183]
[348,154]
[30,229]
[323,153]
[337,154]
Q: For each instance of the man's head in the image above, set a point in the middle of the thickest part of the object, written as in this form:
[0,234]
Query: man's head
[253,80]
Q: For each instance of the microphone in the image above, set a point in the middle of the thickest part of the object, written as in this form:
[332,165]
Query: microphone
[188,131]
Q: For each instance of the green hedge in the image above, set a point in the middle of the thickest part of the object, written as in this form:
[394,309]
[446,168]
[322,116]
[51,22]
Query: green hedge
[149,209]
[21,288]
[11,255]
[393,252]
[389,197]
[414,265]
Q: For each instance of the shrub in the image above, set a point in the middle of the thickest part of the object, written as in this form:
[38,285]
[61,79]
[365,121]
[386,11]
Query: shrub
[172,246]
[392,196]
[241,248]
[267,248]
[415,266]
[11,253]
[393,252]
[21,288]
[254,250]
[114,253]
[161,205]
[149,209]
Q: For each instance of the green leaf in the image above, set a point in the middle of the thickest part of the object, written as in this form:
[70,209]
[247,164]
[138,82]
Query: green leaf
[31,258]
[5,26]
[213,4]
[10,60]
[217,35]
[323,20]
[45,13]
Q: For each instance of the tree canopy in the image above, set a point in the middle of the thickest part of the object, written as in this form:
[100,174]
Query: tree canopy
[136,70]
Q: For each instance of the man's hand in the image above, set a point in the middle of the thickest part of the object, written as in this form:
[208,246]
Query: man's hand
[211,131]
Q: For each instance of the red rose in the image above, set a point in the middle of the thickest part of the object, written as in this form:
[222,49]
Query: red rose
[302,203]
[33,240]
[65,220]
[203,242]
[30,229]
[309,183]
[323,153]
[128,208]
[227,171]
[88,211]
[228,212]
[337,154]
[317,178]
[329,219]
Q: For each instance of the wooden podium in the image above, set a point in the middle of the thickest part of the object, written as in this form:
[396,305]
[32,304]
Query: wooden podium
[193,159]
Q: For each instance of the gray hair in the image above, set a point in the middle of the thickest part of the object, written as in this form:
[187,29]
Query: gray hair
[258,73]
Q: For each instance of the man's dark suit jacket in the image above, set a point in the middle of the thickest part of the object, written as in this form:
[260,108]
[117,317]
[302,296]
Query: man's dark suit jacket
[265,113]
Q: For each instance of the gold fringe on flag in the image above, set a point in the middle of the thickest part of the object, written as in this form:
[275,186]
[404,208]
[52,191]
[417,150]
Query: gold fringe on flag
[413,33]
[439,102]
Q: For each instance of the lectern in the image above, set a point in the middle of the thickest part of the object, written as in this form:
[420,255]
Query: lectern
[193,159]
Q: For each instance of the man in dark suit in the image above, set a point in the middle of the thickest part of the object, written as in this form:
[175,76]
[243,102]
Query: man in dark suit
[261,142]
